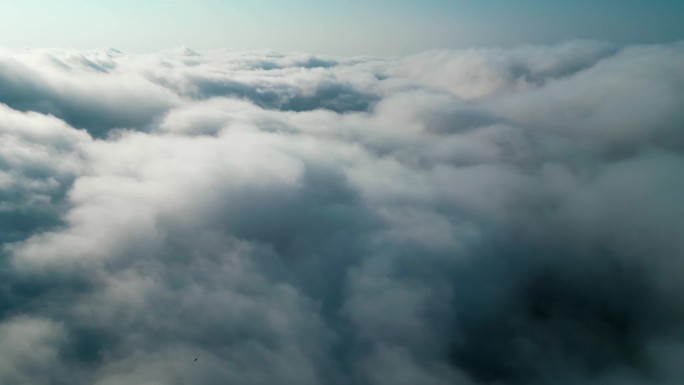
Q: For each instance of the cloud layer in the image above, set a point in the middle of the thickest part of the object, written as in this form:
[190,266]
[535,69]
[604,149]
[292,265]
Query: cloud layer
[471,217]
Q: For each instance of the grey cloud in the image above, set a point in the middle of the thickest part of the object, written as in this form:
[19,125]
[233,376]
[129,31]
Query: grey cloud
[84,98]
[332,96]
[479,73]
[629,100]
[35,172]
[470,217]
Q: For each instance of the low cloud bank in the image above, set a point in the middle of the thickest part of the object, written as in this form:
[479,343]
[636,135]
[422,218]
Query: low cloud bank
[471,217]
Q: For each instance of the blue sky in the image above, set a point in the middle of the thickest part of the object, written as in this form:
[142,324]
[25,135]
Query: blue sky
[382,27]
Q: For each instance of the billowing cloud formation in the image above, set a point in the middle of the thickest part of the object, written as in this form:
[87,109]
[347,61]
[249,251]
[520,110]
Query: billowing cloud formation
[464,217]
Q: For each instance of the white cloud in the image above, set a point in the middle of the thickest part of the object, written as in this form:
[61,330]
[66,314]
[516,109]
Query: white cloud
[480,216]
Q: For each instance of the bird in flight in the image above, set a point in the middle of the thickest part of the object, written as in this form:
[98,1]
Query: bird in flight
[196,359]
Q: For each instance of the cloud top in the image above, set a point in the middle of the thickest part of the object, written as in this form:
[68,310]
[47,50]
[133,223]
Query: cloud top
[472,217]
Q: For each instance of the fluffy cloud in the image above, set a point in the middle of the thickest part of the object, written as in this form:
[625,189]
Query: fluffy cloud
[471,217]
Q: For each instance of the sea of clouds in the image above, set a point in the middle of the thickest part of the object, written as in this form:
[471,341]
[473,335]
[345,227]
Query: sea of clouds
[482,216]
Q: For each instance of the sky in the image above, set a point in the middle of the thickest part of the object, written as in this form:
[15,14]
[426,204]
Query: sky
[348,27]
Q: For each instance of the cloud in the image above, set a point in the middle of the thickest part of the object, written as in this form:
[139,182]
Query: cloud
[39,158]
[87,92]
[472,217]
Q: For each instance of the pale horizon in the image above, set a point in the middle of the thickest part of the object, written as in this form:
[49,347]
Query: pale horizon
[375,27]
